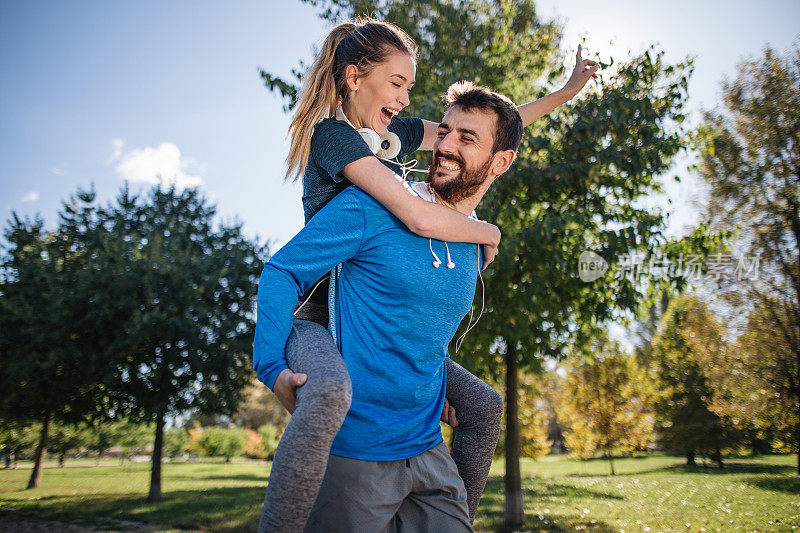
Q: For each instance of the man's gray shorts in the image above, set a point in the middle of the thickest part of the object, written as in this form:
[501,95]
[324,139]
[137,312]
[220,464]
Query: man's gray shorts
[424,493]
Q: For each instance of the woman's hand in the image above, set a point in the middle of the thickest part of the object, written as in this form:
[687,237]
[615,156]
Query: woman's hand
[490,250]
[584,69]
[285,385]
[489,253]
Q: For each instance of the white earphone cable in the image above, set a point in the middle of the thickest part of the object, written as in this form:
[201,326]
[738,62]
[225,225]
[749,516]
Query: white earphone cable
[326,276]
[470,326]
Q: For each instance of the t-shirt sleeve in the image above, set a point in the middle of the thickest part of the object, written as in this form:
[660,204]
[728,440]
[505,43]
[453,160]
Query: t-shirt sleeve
[334,145]
[333,236]
[411,131]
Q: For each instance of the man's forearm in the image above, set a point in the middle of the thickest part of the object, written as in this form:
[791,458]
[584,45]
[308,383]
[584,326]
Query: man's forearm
[331,237]
[277,295]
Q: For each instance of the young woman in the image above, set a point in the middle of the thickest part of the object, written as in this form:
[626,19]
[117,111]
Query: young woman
[362,78]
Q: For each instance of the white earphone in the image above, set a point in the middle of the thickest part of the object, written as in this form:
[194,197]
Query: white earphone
[386,146]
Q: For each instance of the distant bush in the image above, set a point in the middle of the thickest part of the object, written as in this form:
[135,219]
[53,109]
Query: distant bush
[271,435]
[221,442]
[175,442]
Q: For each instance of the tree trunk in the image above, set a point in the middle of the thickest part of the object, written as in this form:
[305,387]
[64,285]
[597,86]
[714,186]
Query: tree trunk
[611,463]
[155,472]
[515,506]
[36,475]
[690,458]
[61,459]
[717,458]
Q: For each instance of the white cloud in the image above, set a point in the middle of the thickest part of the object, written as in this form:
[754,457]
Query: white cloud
[116,147]
[162,164]
[32,196]
[57,171]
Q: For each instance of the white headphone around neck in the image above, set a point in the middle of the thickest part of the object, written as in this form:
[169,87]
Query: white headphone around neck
[386,146]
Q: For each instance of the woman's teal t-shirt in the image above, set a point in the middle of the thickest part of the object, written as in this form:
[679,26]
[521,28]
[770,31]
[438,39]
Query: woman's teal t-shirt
[334,145]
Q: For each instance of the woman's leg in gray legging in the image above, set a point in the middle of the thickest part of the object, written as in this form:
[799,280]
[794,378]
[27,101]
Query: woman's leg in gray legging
[302,454]
[479,409]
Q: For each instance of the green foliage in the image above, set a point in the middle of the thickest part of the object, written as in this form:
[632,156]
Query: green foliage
[533,433]
[17,438]
[102,436]
[175,442]
[134,438]
[66,438]
[750,156]
[581,441]
[260,406]
[534,416]
[270,435]
[186,289]
[684,420]
[753,383]
[49,367]
[138,309]
[222,442]
[606,403]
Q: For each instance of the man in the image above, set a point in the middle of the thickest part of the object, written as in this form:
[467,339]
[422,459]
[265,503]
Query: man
[400,300]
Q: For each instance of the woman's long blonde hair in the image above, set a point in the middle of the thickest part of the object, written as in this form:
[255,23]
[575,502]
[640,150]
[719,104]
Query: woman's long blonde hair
[364,43]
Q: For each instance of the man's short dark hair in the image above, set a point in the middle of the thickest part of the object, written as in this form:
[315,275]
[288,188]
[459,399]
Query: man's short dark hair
[467,96]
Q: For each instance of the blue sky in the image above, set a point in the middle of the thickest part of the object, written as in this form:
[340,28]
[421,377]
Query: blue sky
[94,92]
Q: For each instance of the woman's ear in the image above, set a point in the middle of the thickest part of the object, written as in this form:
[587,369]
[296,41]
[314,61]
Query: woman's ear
[352,77]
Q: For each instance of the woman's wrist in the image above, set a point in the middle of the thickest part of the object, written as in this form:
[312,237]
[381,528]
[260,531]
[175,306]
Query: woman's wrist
[494,235]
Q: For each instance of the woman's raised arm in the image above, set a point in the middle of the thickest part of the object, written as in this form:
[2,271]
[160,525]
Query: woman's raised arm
[533,111]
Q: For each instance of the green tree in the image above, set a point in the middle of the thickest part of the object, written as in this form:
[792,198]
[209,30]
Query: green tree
[575,184]
[66,438]
[133,438]
[534,416]
[222,442]
[16,438]
[752,382]
[750,161]
[259,406]
[684,419]
[270,435]
[51,368]
[175,442]
[606,401]
[185,290]
[533,437]
[102,436]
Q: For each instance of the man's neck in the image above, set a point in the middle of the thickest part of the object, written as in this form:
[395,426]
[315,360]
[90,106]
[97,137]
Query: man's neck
[465,206]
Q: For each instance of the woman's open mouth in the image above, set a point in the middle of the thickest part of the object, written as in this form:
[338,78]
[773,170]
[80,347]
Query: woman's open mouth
[387,114]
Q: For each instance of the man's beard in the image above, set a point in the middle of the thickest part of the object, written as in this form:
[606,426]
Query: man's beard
[462,186]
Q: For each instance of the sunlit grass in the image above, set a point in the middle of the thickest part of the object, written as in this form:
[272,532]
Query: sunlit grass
[654,493]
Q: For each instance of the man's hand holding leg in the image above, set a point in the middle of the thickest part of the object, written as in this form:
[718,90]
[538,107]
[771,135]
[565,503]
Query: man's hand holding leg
[285,386]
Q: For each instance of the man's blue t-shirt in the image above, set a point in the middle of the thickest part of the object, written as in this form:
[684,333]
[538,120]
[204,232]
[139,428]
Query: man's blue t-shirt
[334,145]
[396,315]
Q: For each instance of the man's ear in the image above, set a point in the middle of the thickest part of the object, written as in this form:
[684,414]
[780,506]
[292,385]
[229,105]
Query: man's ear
[502,160]
[351,77]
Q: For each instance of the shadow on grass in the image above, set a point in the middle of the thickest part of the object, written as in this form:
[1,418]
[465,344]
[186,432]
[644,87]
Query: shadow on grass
[492,509]
[735,466]
[789,484]
[250,478]
[229,509]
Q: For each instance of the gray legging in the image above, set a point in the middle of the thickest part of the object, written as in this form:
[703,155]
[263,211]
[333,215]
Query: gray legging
[322,403]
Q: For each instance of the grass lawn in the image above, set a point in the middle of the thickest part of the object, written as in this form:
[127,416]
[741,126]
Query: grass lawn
[654,493]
